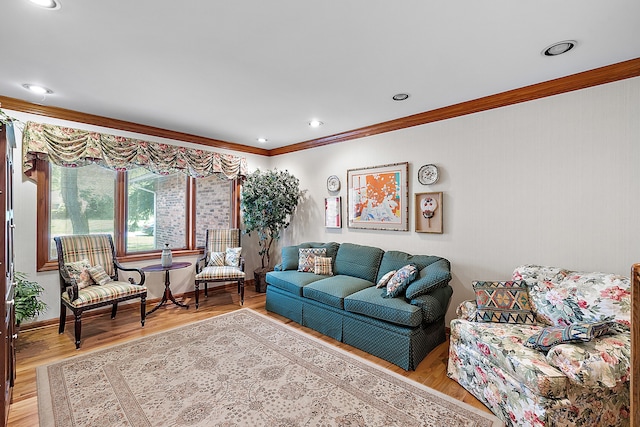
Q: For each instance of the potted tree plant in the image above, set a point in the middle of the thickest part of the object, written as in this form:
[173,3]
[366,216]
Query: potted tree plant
[27,298]
[269,199]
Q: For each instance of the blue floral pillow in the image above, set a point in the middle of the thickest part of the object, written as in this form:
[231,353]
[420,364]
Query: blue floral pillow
[578,332]
[400,280]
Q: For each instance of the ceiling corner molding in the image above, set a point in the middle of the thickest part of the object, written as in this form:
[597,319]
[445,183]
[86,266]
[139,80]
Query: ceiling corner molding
[583,80]
[79,117]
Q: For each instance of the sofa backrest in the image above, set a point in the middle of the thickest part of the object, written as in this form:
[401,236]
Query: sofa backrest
[290,254]
[395,260]
[561,297]
[358,261]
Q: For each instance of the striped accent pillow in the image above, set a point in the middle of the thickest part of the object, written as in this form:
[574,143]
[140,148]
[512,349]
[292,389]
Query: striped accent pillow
[99,275]
[216,259]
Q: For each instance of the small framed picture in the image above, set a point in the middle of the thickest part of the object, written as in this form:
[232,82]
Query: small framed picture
[428,212]
[333,212]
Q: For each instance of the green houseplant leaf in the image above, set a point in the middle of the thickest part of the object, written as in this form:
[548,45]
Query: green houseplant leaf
[268,201]
[27,298]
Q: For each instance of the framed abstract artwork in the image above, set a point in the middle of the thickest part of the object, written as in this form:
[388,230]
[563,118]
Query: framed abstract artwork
[428,214]
[377,197]
[333,212]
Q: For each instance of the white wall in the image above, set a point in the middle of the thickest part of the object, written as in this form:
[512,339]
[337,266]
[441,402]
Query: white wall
[553,181]
[25,220]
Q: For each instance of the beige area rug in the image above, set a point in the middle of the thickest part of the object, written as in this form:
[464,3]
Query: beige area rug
[238,369]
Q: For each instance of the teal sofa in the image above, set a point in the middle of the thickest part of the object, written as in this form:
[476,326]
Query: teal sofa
[348,307]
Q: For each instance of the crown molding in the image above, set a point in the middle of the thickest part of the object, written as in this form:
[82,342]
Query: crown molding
[595,77]
[91,119]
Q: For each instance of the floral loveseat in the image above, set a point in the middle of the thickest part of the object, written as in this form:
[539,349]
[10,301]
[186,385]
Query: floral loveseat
[567,359]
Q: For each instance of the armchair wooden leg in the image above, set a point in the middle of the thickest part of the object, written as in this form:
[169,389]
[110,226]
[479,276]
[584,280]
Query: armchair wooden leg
[197,295]
[114,310]
[63,317]
[206,289]
[143,310]
[78,327]
[241,285]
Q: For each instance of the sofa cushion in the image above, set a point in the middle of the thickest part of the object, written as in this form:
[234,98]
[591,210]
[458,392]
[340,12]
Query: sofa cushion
[290,256]
[573,297]
[503,302]
[394,260]
[291,280]
[358,261]
[395,310]
[578,332]
[604,362]
[433,276]
[333,290]
[500,348]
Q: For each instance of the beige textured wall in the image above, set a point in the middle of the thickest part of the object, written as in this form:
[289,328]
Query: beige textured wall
[553,181]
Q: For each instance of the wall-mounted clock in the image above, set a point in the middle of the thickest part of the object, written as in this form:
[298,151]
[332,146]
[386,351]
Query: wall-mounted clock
[333,183]
[428,174]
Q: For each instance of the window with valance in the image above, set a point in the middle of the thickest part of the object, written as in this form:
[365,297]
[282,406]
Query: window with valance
[145,193]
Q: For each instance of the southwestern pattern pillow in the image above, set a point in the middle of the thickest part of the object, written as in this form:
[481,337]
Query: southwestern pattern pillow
[216,259]
[306,258]
[385,279]
[232,257]
[99,275]
[400,280]
[503,302]
[78,271]
[322,266]
[578,332]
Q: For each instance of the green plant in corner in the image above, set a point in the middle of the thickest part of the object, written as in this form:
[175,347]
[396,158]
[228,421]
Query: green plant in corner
[27,298]
[268,201]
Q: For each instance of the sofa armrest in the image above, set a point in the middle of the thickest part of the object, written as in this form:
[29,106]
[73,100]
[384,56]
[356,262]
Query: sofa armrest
[434,304]
[467,310]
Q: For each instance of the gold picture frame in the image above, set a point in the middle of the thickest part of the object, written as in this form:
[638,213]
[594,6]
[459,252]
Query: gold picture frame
[428,212]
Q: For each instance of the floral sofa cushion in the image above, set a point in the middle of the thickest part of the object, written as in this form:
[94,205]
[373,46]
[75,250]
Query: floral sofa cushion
[562,297]
[502,345]
[602,363]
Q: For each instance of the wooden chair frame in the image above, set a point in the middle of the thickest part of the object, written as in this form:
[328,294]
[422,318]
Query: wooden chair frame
[635,345]
[66,282]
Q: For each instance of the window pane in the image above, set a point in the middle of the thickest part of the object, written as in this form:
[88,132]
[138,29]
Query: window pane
[156,211]
[81,202]
[213,205]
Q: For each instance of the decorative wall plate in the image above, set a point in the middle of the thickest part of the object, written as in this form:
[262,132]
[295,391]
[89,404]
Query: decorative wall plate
[428,174]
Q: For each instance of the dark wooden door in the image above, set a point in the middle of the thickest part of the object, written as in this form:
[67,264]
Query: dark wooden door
[7,309]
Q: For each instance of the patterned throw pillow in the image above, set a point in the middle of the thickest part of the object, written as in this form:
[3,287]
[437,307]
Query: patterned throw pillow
[503,302]
[216,259]
[232,257]
[385,279]
[400,280]
[322,266]
[99,275]
[77,270]
[578,332]
[306,258]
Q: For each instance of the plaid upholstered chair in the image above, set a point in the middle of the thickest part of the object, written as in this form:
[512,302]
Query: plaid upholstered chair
[221,262]
[89,278]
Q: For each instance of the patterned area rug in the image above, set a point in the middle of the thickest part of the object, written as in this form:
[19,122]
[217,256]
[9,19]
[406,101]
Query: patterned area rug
[238,369]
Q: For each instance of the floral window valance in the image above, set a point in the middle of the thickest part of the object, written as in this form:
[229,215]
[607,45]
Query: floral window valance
[71,147]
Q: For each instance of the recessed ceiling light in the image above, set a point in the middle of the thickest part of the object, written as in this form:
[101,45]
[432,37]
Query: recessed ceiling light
[559,48]
[47,4]
[262,140]
[315,123]
[40,90]
[400,96]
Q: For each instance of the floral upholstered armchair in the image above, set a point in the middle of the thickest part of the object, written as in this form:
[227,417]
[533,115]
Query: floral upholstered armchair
[551,347]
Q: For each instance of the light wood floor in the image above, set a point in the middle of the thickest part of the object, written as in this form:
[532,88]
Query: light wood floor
[44,345]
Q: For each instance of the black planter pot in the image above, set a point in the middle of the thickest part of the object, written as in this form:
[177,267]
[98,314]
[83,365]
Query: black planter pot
[260,279]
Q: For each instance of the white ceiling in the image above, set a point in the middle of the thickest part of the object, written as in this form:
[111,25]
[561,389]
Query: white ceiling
[237,70]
